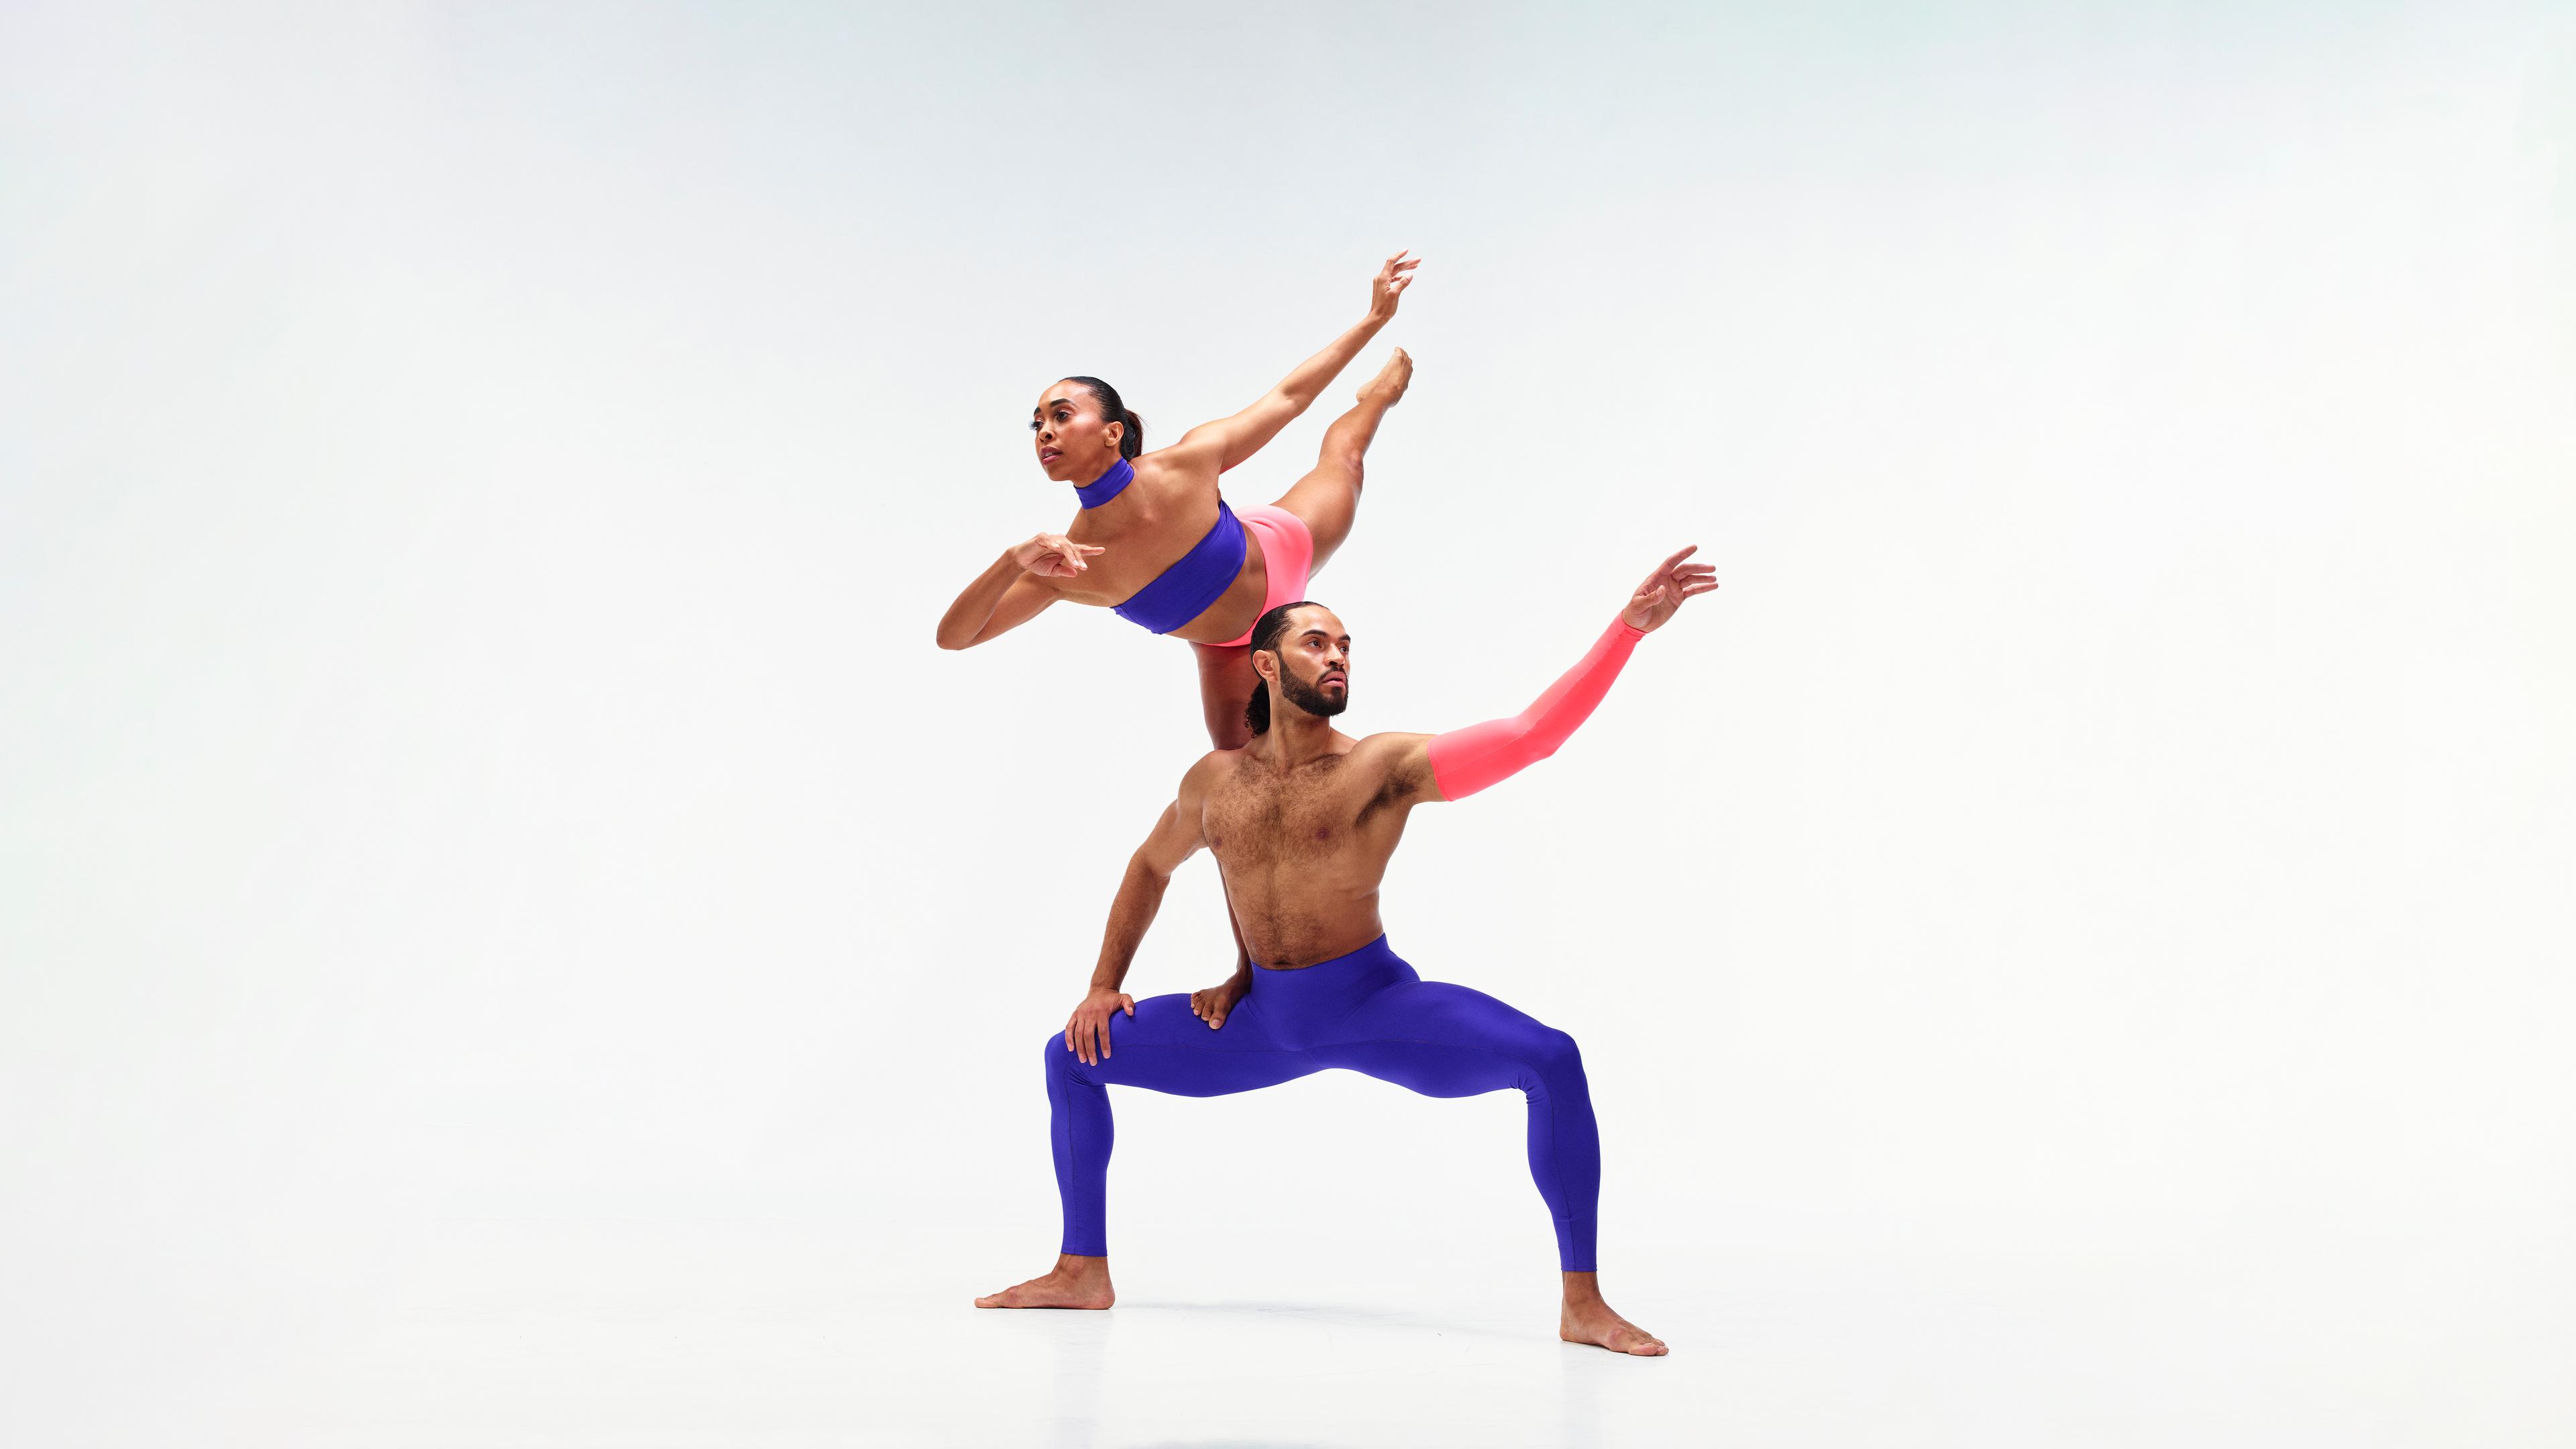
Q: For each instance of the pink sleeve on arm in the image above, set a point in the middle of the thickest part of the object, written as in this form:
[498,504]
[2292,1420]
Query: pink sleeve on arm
[1466,761]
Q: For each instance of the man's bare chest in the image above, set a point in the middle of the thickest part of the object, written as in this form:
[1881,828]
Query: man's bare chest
[1258,818]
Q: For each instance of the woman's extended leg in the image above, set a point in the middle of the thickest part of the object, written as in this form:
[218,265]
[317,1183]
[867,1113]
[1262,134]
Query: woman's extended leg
[1327,498]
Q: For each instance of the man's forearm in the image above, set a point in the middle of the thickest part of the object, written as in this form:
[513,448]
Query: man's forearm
[1140,895]
[1466,761]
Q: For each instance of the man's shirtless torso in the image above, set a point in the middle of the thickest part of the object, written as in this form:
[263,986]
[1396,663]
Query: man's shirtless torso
[1303,847]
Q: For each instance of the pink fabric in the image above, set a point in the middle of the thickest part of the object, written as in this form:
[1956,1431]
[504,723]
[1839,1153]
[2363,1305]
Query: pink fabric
[1466,761]
[1287,553]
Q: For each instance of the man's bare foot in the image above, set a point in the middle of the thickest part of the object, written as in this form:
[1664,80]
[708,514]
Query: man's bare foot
[1586,1319]
[1075,1283]
[1387,388]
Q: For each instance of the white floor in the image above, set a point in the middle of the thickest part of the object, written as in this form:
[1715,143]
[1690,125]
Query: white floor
[662,1333]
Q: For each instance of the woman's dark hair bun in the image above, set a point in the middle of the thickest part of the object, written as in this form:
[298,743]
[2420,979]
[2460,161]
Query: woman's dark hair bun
[1130,442]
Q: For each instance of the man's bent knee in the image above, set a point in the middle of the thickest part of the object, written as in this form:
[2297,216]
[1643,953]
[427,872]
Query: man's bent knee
[1060,1060]
[1557,1058]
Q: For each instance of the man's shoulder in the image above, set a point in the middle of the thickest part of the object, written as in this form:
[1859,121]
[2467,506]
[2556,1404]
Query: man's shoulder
[1211,767]
[1391,755]
[1388,743]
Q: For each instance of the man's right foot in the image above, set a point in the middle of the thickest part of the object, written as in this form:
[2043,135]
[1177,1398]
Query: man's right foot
[1387,388]
[1595,1324]
[1075,1283]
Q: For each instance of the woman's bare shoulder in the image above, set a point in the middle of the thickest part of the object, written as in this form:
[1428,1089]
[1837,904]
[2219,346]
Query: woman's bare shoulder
[1194,459]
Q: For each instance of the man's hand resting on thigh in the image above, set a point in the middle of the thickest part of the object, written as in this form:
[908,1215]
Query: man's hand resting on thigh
[1212,1004]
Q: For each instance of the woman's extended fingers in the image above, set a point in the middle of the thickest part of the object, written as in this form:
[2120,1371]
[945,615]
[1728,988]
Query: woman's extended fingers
[1391,280]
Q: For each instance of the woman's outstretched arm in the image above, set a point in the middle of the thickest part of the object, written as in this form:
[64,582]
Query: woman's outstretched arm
[1011,591]
[1229,441]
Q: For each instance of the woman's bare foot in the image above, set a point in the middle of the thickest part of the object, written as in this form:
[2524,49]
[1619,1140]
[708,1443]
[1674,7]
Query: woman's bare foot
[1075,1283]
[1586,1319]
[1387,388]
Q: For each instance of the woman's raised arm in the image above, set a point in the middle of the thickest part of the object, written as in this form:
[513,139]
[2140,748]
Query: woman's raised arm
[1231,440]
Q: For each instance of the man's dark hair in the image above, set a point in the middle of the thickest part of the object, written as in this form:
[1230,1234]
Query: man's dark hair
[1265,636]
[1130,442]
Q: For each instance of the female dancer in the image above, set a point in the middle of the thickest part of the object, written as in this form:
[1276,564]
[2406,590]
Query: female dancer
[1155,540]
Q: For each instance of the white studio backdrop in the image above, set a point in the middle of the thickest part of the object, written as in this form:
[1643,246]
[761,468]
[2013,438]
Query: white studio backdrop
[483,823]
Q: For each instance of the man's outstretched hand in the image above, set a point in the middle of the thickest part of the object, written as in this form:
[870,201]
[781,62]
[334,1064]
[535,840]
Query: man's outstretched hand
[1661,595]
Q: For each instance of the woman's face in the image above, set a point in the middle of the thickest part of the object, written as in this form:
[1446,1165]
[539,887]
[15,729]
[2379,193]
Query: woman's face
[1074,443]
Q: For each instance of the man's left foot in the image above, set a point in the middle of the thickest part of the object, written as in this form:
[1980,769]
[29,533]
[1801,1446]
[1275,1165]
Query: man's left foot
[1594,1323]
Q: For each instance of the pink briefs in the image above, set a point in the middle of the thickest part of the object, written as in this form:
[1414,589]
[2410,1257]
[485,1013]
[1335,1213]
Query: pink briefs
[1287,554]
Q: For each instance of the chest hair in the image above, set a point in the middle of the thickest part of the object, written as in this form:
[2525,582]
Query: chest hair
[1258,820]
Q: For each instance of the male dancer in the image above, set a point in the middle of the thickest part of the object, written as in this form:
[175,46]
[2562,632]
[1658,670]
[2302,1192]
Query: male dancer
[1302,821]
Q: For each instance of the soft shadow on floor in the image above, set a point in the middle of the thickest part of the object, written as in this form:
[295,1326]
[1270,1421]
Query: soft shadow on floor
[1336,1315]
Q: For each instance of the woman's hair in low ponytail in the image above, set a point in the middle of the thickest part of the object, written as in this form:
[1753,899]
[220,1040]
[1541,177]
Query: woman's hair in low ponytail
[1130,442]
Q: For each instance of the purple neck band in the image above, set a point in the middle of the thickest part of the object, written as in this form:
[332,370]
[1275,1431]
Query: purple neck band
[1107,486]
